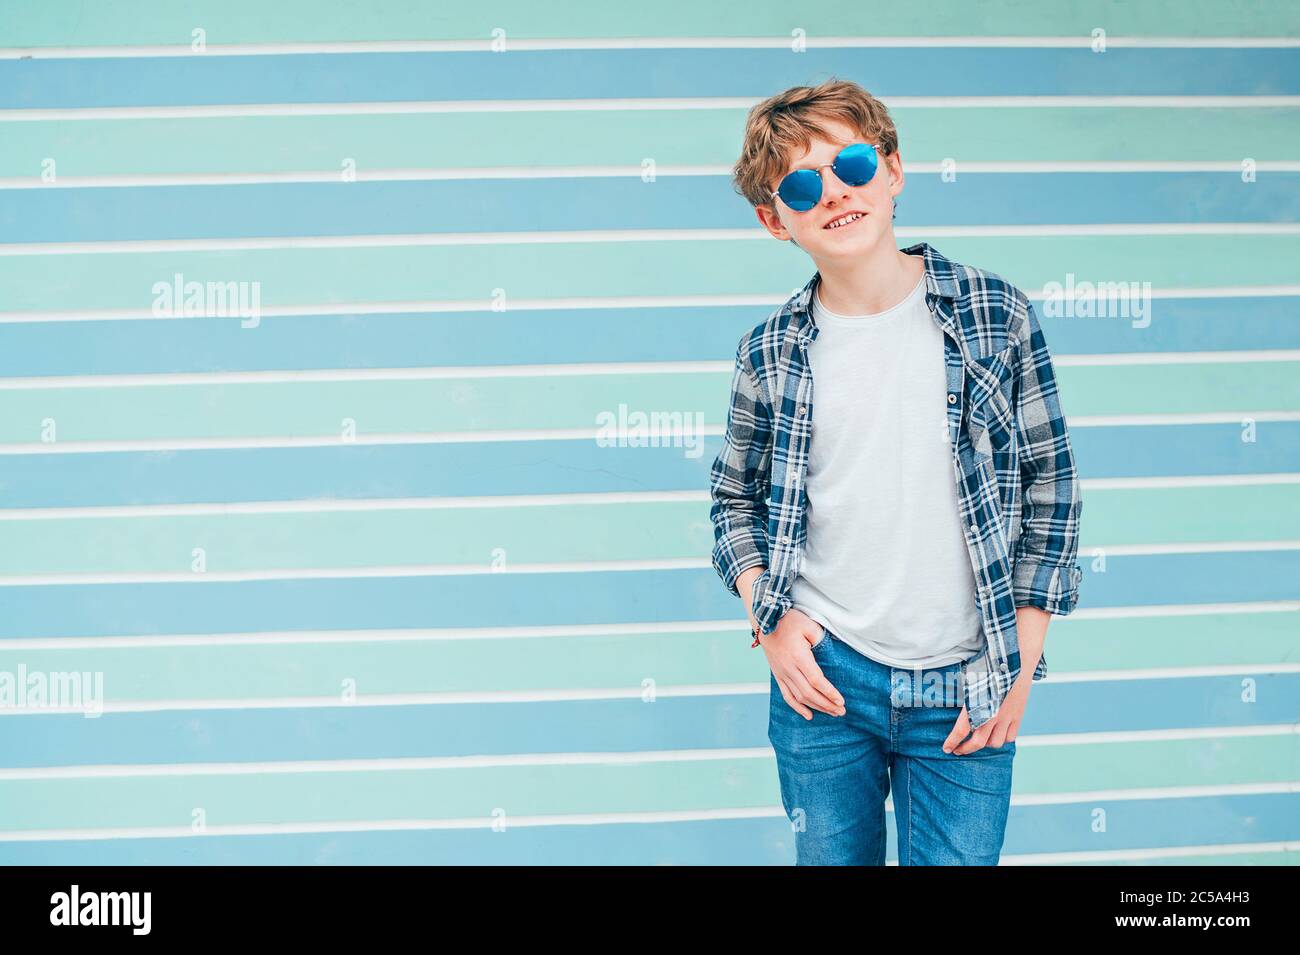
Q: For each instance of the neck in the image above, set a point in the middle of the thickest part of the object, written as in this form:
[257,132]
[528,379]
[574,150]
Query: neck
[869,283]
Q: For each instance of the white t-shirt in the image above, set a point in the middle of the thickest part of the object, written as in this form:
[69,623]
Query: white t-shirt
[885,567]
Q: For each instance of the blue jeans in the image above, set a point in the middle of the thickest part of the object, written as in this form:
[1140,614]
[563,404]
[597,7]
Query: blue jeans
[835,771]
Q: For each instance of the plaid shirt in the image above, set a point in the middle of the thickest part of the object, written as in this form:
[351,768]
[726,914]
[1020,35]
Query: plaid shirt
[1016,482]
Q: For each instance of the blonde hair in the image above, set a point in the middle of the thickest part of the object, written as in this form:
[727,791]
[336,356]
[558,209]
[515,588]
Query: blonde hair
[786,124]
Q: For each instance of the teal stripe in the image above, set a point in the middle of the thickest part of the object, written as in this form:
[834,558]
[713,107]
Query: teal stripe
[1231,639]
[686,400]
[125,22]
[697,657]
[1186,515]
[472,536]
[1176,389]
[526,535]
[694,785]
[762,267]
[602,403]
[673,137]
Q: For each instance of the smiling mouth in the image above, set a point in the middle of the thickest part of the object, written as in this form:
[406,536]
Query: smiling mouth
[844,221]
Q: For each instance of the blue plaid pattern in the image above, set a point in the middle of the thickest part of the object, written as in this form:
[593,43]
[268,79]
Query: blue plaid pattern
[1016,480]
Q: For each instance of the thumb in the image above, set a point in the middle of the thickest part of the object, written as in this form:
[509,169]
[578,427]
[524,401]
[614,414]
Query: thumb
[960,730]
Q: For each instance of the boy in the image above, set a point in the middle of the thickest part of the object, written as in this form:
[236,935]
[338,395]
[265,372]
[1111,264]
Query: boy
[901,543]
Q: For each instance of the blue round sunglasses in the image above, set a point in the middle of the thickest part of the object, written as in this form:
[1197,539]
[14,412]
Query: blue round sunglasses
[801,189]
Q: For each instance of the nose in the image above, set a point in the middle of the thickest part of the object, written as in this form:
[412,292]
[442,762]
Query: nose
[832,186]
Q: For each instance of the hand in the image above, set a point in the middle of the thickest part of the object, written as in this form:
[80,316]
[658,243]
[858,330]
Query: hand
[789,654]
[1003,726]
[1031,632]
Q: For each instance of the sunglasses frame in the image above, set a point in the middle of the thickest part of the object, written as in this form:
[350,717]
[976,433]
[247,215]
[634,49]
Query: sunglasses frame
[821,181]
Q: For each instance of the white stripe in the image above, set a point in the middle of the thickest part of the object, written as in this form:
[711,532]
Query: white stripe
[569,694]
[1135,420]
[444,372]
[580,172]
[1139,855]
[396,764]
[587,819]
[1154,483]
[1181,610]
[635,758]
[322,441]
[1176,358]
[1155,792]
[330,505]
[270,638]
[409,240]
[740,627]
[618,368]
[288,48]
[385,825]
[426,306]
[389,571]
[614,104]
[1172,673]
[562,695]
[666,437]
[1193,547]
[553,567]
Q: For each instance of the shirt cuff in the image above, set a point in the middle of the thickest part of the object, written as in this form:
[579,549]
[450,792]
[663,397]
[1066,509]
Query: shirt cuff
[734,555]
[1050,587]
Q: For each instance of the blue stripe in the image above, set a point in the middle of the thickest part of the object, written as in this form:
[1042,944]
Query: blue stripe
[565,74]
[1181,324]
[671,202]
[549,599]
[616,726]
[543,337]
[1136,824]
[541,467]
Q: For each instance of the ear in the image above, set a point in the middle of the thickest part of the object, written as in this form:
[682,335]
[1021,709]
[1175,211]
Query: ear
[771,221]
[894,163]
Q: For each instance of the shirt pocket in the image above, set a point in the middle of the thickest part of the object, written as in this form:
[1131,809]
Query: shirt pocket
[990,382]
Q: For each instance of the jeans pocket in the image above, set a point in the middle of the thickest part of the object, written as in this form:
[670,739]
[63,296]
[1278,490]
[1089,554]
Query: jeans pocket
[823,643]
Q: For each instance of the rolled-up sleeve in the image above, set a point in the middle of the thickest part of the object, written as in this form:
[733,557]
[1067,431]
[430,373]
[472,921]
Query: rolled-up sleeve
[1046,573]
[739,479]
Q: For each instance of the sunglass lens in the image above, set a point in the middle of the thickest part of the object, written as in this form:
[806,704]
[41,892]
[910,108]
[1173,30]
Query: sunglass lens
[801,189]
[856,164]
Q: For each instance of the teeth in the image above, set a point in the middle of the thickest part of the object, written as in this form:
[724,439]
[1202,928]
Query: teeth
[845,221]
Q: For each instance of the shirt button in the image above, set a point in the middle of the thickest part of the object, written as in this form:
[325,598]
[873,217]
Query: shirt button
[786,538]
[952,399]
[974,529]
[803,409]
[1005,668]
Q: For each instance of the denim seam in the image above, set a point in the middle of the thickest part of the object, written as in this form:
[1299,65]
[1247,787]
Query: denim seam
[909,813]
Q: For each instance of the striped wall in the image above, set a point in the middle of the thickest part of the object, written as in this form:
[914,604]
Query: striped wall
[360,576]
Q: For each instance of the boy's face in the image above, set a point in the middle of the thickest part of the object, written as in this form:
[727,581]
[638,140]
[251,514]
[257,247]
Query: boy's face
[809,229]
